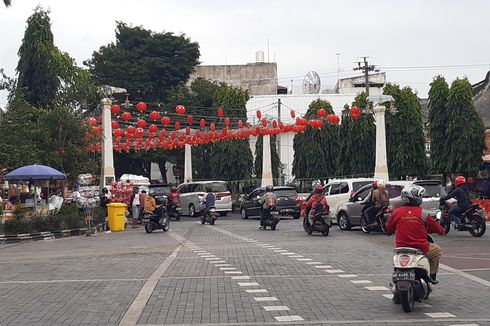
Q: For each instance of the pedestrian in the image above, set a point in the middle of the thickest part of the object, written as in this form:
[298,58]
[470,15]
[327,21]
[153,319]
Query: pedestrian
[143,196]
[135,206]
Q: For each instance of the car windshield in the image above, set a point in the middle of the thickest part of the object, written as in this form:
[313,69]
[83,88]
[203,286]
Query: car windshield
[394,191]
[285,193]
[359,184]
[160,190]
[433,190]
[216,187]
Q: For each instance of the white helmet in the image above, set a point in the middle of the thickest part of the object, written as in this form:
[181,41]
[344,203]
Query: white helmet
[413,195]
[381,183]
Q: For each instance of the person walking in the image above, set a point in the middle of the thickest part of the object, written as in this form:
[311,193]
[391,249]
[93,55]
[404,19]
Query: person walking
[135,206]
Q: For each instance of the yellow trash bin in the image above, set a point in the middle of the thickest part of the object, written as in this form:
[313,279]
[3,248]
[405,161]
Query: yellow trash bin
[116,213]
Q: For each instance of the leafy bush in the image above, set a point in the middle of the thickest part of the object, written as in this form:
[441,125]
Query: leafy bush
[16,226]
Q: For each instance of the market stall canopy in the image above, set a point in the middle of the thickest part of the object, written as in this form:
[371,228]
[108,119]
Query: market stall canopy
[35,172]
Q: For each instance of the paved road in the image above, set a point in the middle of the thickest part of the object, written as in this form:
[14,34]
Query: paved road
[232,274]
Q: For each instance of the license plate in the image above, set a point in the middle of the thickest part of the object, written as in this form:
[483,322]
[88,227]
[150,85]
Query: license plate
[178,209]
[274,213]
[218,198]
[403,276]
[287,210]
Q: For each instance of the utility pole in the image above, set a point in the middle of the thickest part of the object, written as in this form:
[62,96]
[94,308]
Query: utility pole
[366,69]
[279,135]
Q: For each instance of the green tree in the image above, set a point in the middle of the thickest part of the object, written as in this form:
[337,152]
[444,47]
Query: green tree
[231,159]
[405,135]
[315,151]
[438,119]
[357,139]
[147,64]
[465,130]
[275,160]
[7,3]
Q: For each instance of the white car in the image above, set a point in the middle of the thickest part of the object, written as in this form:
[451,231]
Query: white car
[192,194]
[338,191]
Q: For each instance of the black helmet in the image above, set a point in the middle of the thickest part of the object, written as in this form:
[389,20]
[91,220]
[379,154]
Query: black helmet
[269,188]
[105,190]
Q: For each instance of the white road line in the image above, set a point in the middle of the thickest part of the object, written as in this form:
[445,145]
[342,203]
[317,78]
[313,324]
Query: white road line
[240,277]
[303,259]
[213,258]
[217,261]
[334,271]
[208,256]
[276,308]
[222,265]
[347,275]
[288,318]
[257,291]
[388,296]
[440,315]
[314,263]
[377,288]
[227,268]
[464,325]
[279,250]
[260,299]
[361,282]
[248,284]
[323,266]
[288,253]
[296,256]
[466,275]
[233,272]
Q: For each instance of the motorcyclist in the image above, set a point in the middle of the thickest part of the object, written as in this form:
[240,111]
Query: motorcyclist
[379,199]
[152,207]
[173,199]
[268,201]
[413,224]
[317,198]
[461,194]
[209,200]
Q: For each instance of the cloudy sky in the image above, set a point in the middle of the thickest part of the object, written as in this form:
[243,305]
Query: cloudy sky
[407,39]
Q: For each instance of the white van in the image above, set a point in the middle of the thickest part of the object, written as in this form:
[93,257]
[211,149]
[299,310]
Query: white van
[338,191]
[193,193]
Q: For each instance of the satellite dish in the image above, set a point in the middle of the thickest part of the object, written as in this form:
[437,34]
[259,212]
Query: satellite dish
[311,83]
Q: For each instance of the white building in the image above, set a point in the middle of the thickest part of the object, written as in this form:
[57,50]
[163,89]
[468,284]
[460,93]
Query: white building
[355,85]
[269,106]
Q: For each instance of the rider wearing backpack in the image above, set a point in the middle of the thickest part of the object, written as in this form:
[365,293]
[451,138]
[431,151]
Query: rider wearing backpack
[315,199]
[268,201]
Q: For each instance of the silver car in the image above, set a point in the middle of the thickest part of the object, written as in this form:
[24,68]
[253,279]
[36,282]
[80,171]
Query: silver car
[349,213]
[193,193]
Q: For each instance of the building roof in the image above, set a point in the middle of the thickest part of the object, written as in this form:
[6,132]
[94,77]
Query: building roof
[481,99]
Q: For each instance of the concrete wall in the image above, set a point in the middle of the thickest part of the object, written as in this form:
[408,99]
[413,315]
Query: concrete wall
[356,85]
[257,78]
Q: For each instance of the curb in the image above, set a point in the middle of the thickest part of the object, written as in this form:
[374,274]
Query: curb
[49,235]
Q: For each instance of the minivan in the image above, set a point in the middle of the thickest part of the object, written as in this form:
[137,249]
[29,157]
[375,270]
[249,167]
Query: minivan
[193,193]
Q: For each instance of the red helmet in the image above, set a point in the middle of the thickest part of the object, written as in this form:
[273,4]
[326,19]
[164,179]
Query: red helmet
[375,184]
[318,189]
[460,180]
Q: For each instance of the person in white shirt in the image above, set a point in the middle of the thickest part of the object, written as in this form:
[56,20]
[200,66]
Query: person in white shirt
[135,206]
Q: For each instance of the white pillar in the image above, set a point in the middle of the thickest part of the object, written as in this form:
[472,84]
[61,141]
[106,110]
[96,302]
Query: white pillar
[381,168]
[107,175]
[266,161]
[188,163]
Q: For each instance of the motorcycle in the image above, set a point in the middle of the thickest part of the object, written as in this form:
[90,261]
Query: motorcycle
[380,221]
[154,222]
[271,218]
[321,221]
[174,211]
[472,220]
[411,277]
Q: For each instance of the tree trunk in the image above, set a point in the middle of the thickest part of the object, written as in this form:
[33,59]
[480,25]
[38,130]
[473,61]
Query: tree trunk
[163,170]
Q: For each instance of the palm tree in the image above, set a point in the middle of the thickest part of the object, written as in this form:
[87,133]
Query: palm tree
[7,2]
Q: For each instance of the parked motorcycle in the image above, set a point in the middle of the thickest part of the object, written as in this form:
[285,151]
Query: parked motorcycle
[321,221]
[472,220]
[411,277]
[271,218]
[380,221]
[154,222]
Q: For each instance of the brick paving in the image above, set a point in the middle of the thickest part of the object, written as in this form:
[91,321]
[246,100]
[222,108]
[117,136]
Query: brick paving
[227,274]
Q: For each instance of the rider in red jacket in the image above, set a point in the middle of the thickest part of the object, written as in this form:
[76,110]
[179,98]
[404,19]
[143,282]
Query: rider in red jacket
[413,224]
[317,198]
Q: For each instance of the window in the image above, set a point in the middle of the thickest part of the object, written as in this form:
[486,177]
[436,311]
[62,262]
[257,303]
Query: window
[394,191]
[285,193]
[216,187]
[433,190]
[182,189]
[344,188]
[326,189]
[359,184]
[363,193]
[335,189]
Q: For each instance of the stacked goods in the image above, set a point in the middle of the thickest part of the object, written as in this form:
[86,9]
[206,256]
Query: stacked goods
[121,192]
[88,195]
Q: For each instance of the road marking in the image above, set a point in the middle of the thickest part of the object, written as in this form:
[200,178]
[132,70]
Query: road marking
[377,288]
[464,325]
[257,291]
[248,284]
[208,256]
[296,256]
[133,314]
[288,253]
[289,318]
[259,299]
[334,271]
[240,277]
[388,296]
[227,268]
[233,272]
[440,315]
[276,308]
[314,263]
[347,275]
[217,261]
[466,275]
[214,258]
[323,266]
[279,250]
[361,282]
[222,265]
[303,259]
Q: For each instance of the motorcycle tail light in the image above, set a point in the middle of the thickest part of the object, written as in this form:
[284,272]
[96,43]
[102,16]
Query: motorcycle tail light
[404,260]
[388,210]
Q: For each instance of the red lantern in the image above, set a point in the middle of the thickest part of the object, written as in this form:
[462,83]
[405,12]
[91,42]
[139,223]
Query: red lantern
[190,119]
[153,128]
[180,109]
[131,130]
[92,121]
[163,133]
[240,124]
[154,115]
[319,124]
[139,133]
[321,112]
[141,106]
[274,124]
[115,124]
[165,121]
[221,112]
[259,114]
[212,127]
[337,120]
[293,114]
[355,112]
[202,124]
[304,122]
[98,130]
[115,109]
[141,123]
[177,125]
[126,116]
[187,131]
[227,122]
[331,118]
[118,133]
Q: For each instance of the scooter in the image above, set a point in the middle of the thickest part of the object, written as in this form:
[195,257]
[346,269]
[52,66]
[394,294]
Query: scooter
[472,220]
[271,218]
[209,215]
[380,221]
[411,277]
[154,222]
[321,221]
[174,211]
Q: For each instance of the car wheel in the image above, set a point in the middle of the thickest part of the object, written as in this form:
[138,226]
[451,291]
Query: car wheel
[192,211]
[344,222]
[223,214]
[296,216]
[243,213]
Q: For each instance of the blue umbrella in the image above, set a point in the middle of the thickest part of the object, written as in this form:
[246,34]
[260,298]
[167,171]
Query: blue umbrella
[35,172]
